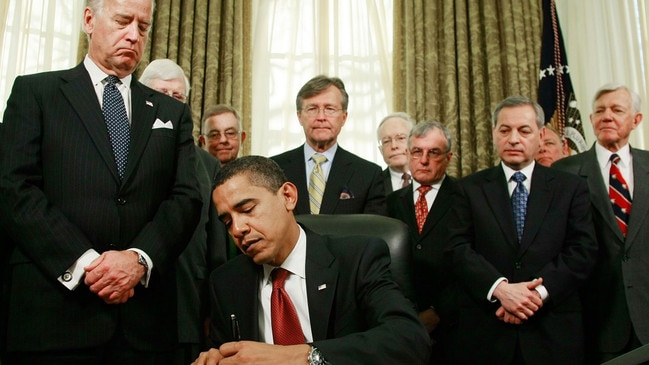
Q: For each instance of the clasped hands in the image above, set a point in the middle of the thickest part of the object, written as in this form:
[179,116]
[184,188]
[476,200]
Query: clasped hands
[113,275]
[519,301]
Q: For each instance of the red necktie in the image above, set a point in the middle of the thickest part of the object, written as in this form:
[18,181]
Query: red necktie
[618,191]
[421,207]
[286,325]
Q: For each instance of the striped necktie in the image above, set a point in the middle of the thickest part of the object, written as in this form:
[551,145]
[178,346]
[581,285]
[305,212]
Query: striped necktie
[317,183]
[619,194]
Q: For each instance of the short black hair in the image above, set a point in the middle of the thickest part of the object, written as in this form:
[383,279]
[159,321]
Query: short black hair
[261,171]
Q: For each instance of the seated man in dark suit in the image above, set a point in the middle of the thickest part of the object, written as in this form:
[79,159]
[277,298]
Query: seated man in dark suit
[329,179]
[424,206]
[338,304]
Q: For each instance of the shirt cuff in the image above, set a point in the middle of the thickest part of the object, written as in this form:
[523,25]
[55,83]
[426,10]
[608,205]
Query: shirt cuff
[145,279]
[493,288]
[71,278]
[544,292]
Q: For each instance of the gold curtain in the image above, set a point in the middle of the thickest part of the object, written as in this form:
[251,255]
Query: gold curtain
[455,60]
[211,41]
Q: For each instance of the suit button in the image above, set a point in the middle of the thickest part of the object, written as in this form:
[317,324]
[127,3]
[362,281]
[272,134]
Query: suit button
[419,247]
[121,201]
[517,265]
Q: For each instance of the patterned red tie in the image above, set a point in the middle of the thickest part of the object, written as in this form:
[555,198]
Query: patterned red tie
[286,325]
[618,191]
[421,207]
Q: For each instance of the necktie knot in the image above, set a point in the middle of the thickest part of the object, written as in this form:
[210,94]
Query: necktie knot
[424,189]
[518,177]
[615,158]
[406,179]
[278,277]
[112,80]
[319,158]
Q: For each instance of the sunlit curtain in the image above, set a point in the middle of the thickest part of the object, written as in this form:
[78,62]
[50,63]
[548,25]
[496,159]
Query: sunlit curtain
[455,60]
[296,40]
[607,41]
[210,40]
[38,35]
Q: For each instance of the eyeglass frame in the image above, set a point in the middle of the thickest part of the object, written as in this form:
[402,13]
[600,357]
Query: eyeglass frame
[230,133]
[313,111]
[431,154]
[386,141]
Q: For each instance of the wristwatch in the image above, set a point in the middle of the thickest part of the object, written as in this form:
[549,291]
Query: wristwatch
[315,357]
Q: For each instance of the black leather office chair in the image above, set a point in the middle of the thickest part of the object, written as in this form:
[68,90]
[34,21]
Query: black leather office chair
[393,231]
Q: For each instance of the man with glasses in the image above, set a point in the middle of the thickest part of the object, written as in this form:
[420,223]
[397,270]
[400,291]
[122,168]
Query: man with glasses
[393,136]
[329,179]
[424,206]
[222,133]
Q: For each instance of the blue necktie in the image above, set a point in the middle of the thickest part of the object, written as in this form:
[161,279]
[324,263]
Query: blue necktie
[519,203]
[117,122]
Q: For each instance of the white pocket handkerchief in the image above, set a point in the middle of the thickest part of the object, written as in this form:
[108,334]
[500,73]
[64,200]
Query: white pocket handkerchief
[160,124]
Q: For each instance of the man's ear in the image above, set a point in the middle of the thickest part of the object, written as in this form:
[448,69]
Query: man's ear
[289,192]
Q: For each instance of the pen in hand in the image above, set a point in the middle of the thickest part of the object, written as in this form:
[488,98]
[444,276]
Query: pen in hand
[236,335]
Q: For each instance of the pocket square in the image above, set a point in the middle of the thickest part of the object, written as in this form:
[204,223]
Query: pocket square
[346,194]
[160,124]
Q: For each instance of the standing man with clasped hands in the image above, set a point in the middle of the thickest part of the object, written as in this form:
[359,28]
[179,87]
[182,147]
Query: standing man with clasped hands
[618,292]
[522,244]
[99,195]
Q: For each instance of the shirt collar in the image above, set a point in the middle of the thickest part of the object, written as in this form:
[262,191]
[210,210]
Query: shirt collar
[604,155]
[435,186]
[97,76]
[295,262]
[329,154]
[527,170]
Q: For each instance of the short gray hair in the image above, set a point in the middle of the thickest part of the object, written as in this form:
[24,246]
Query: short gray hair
[422,128]
[219,109]
[517,100]
[610,87]
[164,69]
[401,115]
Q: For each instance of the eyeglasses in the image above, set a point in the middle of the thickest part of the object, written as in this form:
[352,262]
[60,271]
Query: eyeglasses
[174,94]
[433,154]
[312,111]
[229,134]
[399,138]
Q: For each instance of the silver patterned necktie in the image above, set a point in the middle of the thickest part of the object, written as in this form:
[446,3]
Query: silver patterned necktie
[519,203]
[116,120]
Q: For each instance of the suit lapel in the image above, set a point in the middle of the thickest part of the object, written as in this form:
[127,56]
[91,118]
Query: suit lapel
[496,192]
[142,118]
[538,204]
[79,91]
[440,207]
[640,193]
[248,315]
[337,179]
[321,281]
[408,209]
[599,191]
[295,171]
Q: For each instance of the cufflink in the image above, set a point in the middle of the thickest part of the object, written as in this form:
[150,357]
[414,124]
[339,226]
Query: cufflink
[67,276]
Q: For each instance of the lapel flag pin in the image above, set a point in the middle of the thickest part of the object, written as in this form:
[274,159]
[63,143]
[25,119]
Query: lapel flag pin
[149,103]
[322,286]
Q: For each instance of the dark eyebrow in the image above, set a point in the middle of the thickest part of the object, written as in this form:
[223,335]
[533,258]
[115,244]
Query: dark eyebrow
[238,205]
